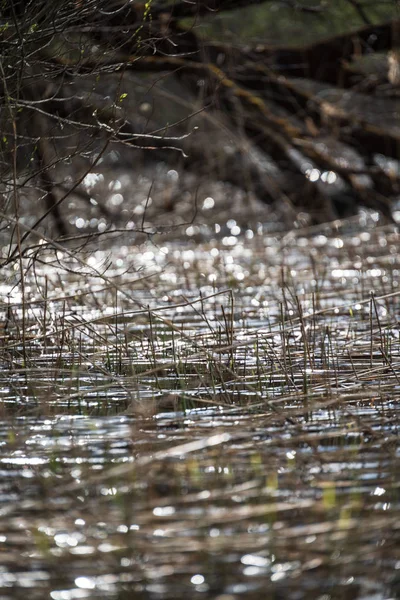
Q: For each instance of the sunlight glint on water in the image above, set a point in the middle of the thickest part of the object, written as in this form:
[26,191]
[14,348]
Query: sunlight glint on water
[209,422]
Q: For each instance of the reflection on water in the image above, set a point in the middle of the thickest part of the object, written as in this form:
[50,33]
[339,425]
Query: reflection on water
[211,422]
[167,505]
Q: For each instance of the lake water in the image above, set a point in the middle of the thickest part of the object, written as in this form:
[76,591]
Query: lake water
[214,419]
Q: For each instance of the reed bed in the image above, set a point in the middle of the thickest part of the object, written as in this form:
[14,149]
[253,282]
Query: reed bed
[214,421]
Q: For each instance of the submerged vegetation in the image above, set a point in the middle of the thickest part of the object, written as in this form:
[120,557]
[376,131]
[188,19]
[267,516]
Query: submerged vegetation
[199,386]
[219,421]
